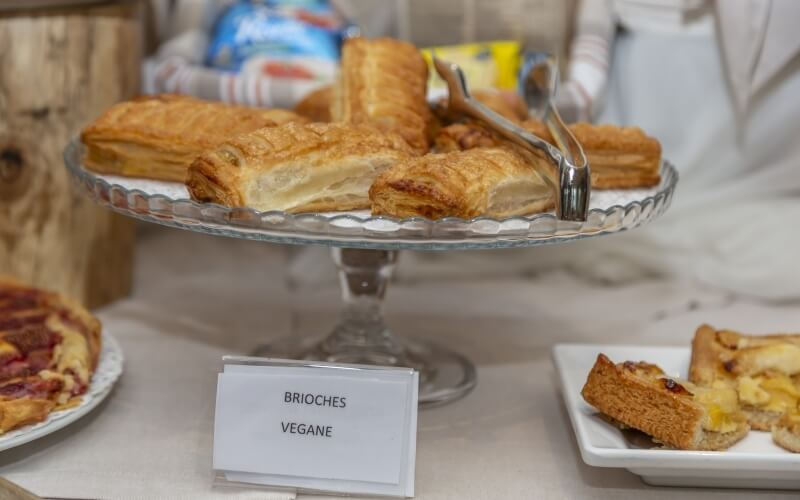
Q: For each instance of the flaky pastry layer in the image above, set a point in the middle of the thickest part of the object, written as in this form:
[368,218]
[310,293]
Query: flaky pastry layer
[383,83]
[159,136]
[296,168]
[619,157]
[492,182]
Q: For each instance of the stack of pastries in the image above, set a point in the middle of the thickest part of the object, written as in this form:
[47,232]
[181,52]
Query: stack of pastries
[372,141]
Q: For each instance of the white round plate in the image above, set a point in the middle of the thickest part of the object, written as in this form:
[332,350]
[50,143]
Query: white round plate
[108,371]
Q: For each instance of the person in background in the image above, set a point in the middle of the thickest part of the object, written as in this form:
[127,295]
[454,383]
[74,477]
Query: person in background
[718,83]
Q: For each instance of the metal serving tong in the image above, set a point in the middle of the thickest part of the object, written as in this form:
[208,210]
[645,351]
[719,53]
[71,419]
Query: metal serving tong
[568,174]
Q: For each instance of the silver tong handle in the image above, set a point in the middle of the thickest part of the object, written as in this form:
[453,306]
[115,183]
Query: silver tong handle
[568,172]
[538,83]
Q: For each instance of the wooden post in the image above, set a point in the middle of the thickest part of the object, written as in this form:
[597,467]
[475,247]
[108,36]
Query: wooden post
[60,67]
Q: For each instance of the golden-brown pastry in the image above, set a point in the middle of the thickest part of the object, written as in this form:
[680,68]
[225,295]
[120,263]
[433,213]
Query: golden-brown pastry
[680,415]
[764,369]
[490,182]
[158,137]
[297,168]
[433,126]
[620,157]
[316,105]
[464,136]
[506,104]
[383,83]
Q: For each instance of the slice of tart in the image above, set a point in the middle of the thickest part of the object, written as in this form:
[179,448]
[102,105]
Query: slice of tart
[673,412]
[49,349]
[763,369]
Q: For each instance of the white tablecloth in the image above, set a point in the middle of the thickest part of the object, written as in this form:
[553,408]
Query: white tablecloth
[198,297]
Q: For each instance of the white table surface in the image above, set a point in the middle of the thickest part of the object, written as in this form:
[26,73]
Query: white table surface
[197,297]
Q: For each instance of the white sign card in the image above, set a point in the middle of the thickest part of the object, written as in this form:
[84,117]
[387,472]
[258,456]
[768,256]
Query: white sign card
[317,426]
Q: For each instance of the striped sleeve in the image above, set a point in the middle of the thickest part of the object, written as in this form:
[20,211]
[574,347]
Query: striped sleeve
[587,72]
[176,75]
[178,68]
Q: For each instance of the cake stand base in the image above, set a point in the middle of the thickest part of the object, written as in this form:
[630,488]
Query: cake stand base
[444,375]
[361,336]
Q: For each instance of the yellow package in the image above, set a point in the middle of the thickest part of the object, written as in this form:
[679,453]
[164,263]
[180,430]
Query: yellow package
[485,64]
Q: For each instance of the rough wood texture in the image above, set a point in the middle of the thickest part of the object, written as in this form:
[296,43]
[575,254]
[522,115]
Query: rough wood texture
[61,69]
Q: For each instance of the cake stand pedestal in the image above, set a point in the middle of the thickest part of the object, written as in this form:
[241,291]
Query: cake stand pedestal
[362,337]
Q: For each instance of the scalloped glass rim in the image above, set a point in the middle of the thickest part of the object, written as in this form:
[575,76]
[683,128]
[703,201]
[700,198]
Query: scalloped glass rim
[356,231]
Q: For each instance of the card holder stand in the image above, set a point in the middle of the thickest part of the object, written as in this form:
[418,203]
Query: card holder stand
[314,427]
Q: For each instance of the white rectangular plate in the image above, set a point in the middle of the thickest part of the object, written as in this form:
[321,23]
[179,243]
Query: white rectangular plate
[755,462]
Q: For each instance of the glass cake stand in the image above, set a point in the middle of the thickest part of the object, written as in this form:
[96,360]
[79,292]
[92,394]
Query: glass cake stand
[365,250]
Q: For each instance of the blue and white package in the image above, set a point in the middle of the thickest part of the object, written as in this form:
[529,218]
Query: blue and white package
[298,39]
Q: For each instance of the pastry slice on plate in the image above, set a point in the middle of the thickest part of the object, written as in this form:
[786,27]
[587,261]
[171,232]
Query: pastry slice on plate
[764,370]
[492,182]
[619,157]
[383,83]
[676,413]
[296,168]
[158,137]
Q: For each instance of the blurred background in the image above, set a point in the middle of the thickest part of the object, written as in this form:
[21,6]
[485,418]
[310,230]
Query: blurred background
[716,82]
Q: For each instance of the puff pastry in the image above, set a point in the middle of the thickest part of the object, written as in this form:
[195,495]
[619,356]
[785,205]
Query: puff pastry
[494,182]
[316,105]
[296,168]
[159,136]
[382,82]
[620,157]
[466,135]
[506,104]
